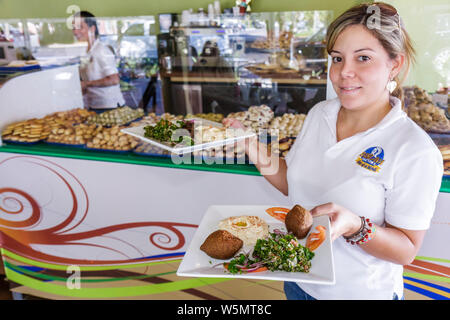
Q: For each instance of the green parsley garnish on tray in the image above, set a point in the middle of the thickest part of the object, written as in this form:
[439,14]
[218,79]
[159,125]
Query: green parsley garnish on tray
[165,131]
[280,252]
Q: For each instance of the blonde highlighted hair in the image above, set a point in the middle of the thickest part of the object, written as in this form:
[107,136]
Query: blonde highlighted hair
[383,21]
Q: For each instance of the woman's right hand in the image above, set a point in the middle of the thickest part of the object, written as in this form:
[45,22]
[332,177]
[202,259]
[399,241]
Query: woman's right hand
[236,124]
[274,169]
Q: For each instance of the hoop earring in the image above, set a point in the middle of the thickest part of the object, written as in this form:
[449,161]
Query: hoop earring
[391,85]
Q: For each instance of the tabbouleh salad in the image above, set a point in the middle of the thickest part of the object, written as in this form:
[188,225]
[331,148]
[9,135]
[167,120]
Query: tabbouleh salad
[280,252]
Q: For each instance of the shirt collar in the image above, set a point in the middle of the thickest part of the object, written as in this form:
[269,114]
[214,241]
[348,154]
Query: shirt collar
[396,113]
[331,113]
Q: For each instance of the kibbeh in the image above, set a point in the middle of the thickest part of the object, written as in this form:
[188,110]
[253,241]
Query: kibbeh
[221,244]
[299,221]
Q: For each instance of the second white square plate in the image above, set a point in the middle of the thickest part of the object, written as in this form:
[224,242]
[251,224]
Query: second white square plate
[138,132]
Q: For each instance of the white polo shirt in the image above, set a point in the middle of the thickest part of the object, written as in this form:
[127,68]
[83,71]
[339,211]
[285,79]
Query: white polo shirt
[99,63]
[390,173]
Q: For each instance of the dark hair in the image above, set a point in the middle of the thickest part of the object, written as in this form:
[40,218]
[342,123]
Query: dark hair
[90,20]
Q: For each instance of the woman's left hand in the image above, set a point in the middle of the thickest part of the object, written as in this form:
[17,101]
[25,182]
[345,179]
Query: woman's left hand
[343,221]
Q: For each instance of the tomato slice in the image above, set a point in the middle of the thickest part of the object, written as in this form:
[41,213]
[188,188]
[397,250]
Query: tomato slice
[315,239]
[278,213]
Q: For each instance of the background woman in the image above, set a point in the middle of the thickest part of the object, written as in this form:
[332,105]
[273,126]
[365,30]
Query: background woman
[100,80]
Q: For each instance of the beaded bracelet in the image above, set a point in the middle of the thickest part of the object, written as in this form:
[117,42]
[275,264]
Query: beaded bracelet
[365,233]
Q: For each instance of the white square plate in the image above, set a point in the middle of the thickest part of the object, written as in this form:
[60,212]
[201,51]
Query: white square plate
[138,132]
[197,263]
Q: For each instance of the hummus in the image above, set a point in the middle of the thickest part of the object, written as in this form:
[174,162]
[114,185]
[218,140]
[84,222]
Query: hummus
[247,228]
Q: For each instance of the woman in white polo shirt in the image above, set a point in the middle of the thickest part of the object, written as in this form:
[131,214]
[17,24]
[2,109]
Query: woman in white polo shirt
[360,157]
[100,80]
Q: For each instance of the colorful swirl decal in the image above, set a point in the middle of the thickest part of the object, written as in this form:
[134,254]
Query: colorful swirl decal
[26,226]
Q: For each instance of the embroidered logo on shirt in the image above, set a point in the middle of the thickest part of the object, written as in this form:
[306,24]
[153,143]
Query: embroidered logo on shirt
[371,159]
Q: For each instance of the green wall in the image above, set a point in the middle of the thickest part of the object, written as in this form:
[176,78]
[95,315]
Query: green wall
[111,8]
[428,24]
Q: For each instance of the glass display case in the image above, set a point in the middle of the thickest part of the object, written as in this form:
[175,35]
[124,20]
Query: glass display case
[228,63]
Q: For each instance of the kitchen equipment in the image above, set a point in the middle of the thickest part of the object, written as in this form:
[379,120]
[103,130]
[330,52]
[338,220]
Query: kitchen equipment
[7,52]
